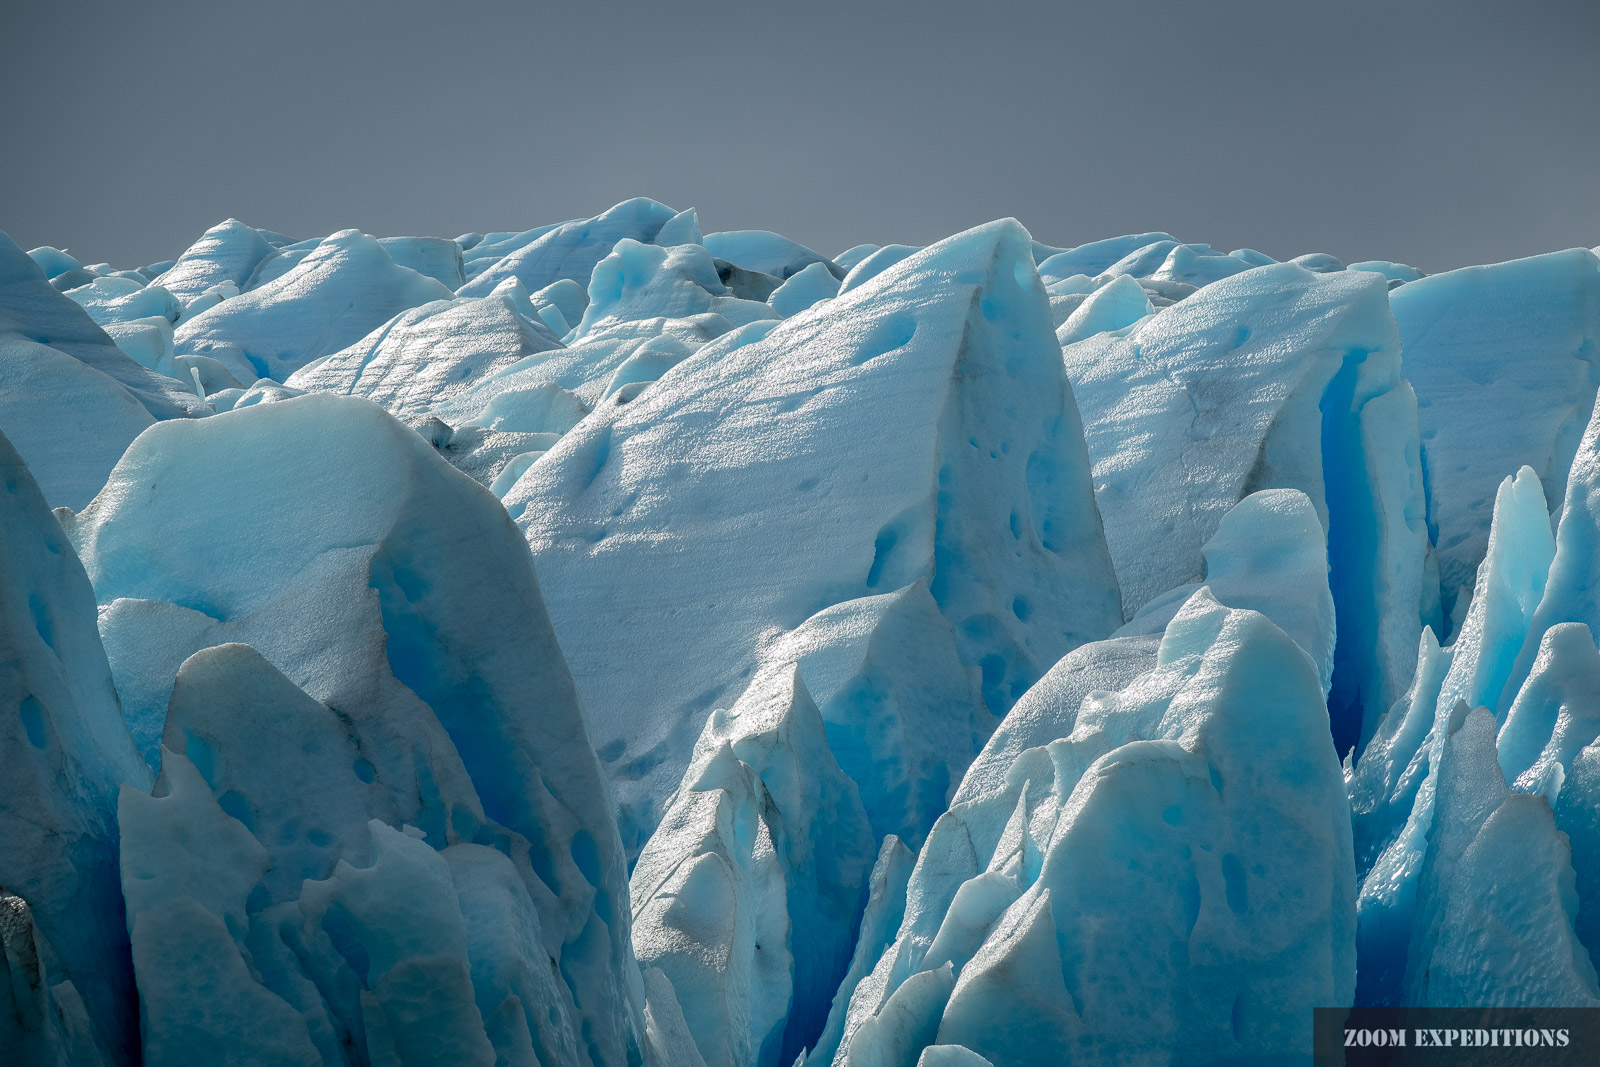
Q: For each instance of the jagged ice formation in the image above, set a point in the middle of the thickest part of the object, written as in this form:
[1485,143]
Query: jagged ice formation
[612,643]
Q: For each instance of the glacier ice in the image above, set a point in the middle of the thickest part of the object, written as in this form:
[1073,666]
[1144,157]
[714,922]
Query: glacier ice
[880,920]
[1452,802]
[874,264]
[1268,555]
[344,287]
[605,642]
[1018,937]
[111,300]
[638,283]
[421,359]
[1495,895]
[1118,304]
[63,753]
[1571,592]
[1532,325]
[766,252]
[1274,377]
[1095,258]
[745,897]
[468,729]
[54,261]
[432,257]
[804,289]
[674,533]
[902,713]
[227,253]
[569,250]
[70,399]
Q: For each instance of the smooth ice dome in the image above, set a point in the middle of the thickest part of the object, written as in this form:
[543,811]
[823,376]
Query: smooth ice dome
[608,643]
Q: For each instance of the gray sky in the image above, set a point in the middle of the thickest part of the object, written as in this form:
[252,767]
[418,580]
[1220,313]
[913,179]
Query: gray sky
[1434,133]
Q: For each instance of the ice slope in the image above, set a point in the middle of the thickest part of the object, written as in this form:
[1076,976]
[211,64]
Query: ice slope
[53,261]
[70,399]
[1118,304]
[427,359]
[804,289]
[638,284]
[747,895]
[561,304]
[1394,784]
[874,264]
[1174,871]
[1577,813]
[1097,257]
[31,311]
[1397,274]
[880,921]
[767,253]
[64,752]
[482,250]
[647,308]
[1164,268]
[438,258]
[1503,359]
[1268,555]
[1556,712]
[1198,265]
[423,357]
[344,288]
[113,300]
[903,716]
[571,249]
[1275,377]
[401,599]
[898,718]
[273,267]
[677,532]
[230,251]
[853,255]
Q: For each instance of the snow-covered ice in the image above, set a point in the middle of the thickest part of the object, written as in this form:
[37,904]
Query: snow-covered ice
[606,642]
[677,533]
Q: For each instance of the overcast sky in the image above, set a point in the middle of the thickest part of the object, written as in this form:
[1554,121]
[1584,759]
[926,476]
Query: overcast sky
[1434,133]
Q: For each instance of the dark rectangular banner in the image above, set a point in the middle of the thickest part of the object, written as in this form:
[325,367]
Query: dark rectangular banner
[1456,1037]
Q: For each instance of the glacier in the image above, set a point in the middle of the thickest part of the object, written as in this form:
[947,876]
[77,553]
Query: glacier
[610,643]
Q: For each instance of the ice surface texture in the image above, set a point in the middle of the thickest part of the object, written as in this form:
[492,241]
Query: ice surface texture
[378,650]
[70,399]
[678,532]
[1274,377]
[610,643]
[64,751]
